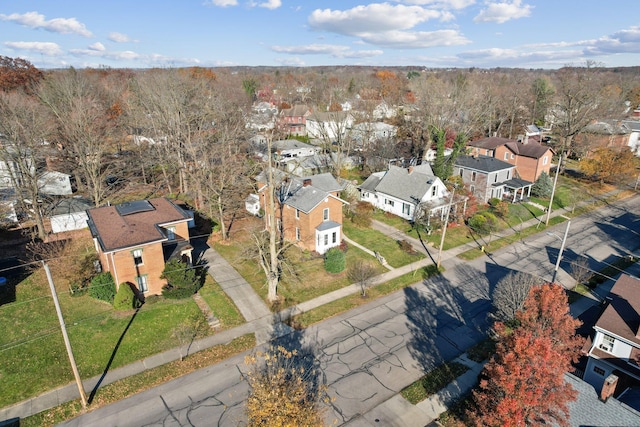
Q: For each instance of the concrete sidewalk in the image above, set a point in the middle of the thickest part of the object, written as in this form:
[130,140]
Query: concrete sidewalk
[261,321]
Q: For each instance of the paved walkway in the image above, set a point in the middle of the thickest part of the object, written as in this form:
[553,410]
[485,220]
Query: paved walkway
[266,325]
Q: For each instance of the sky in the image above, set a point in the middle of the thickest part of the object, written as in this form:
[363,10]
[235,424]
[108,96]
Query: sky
[217,33]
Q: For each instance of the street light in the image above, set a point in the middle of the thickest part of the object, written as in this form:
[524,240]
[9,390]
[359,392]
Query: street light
[564,241]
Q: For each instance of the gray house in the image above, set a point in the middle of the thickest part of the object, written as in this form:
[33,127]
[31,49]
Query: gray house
[487,178]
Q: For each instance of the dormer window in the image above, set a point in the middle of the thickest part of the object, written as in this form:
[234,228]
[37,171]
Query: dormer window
[607,343]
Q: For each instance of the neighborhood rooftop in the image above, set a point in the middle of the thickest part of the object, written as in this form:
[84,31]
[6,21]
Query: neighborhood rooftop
[115,230]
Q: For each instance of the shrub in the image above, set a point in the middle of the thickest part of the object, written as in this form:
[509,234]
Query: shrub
[334,260]
[405,246]
[501,209]
[125,298]
[181,280]
[103,287]
[483,222]
[363,214]
[493,202]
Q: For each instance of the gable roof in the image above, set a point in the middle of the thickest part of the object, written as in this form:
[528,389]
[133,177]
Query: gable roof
[131,224]
[482,163]
[588,409]
[622,315]
[295,111]
[404,184]
[489,143]
[531,149]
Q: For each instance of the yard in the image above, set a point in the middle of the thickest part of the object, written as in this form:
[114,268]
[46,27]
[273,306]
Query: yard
[305,280]
[32,349]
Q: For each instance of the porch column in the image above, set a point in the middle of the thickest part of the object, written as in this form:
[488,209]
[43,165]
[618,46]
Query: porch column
[529,192]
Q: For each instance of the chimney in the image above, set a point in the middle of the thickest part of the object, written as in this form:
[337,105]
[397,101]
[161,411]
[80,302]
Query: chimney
[608,387]
[410,169]
[306,182]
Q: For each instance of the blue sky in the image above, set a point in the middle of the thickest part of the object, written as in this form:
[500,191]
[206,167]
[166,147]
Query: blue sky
[429,33]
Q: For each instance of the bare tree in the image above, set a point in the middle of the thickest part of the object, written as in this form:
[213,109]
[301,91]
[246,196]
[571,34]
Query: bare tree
[510,294]
[25,125]
[580,270]
[83,126]
[361,272]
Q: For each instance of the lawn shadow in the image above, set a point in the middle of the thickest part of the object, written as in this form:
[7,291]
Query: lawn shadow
[113,355]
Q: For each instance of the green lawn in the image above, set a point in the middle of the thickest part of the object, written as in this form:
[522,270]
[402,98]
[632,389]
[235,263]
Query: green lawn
[376,241]
[306,279]
[433,381]
[34,359]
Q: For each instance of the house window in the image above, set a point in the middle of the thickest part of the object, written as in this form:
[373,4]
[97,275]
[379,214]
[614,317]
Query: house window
[406,208]
[509,174]
[334,237]
[598,370]
[434,190]
[325,214]
[390,202]
[171,233]
[326,239]
[506,156]
[473,176]
[137,256]
[297,233]
[142,283]
[472,188]
[512,156]
[607,343]
[297,213]
[495,178]
[545,160]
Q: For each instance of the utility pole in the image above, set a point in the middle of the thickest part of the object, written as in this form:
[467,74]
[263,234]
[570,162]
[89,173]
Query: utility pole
[67,343]
[444,228]
[553,190]
[564,241]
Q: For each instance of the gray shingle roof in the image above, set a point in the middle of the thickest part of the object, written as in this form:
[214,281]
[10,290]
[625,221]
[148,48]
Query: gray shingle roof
[399,183]
[588,410]
[306,198]
[482,163]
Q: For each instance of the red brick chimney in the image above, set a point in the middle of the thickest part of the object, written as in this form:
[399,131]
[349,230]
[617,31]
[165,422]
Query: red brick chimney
[609,387]
[306,182]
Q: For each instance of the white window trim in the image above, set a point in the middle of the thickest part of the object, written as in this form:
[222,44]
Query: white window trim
[608,347]
[135,255]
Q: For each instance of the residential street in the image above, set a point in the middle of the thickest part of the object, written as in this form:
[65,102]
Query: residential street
[369,354]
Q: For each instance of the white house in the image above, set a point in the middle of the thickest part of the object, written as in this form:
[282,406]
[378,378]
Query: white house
[614,356]
[367,133]
[286,148]
[401,191]
[329,126]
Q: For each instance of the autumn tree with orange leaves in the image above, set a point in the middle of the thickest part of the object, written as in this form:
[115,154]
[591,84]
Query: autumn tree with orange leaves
[523,383]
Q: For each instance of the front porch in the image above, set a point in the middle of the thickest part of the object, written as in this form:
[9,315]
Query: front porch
[517,189]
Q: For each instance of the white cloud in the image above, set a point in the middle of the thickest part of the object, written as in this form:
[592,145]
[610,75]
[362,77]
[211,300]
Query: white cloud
[416,39]
[44,48]
[376,17]
[503,12]
[271,4]
[97,46]
[222,3]
[56,25]
[623,41]
[120,38]
[336,51]
[440,4]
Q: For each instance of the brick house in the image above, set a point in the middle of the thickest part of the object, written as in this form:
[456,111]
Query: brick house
[529,157]
[135,239]
[293,121]
[614,353]
[308,210]
[487,177]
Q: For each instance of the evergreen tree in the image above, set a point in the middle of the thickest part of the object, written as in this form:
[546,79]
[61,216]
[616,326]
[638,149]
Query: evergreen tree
[543,186]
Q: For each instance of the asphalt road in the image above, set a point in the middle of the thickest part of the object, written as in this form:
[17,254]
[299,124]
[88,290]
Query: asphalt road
[369,354]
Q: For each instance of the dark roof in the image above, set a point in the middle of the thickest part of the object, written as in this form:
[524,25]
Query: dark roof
[531,149]
[517,183]
[69,206]
[622,315]
[482,163]
[489,143]
[116,231]
[588,410]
